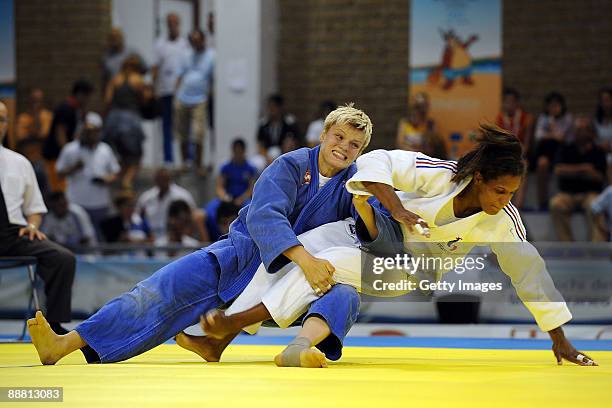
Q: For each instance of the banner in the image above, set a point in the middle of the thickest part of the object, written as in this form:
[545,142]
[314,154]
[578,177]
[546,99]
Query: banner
[455,58]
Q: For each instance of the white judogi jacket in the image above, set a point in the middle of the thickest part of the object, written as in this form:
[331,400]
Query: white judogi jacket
[425,187]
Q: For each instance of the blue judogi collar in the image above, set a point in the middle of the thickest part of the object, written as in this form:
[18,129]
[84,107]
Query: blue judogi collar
[316,196]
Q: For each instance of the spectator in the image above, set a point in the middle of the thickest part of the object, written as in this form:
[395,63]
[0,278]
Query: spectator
[115,56]
[260,160]
[178,230]
[237,177]
[315,128]
[125,96]
[31,148]
[434,145]
[67,117]
[35,122]
[514,119]
[193,87]
[520,123]
[277,126]
[21,210]
[411,131]
[169,54]
[90,167]
[127,225]
[218,217]
[67,223]
[154,203]
[290,143]
[603,125]
[602,210]
[553,130]
[581,170]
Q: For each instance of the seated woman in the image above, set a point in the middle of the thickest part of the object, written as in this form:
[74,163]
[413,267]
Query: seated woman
[553,129]
[466,201]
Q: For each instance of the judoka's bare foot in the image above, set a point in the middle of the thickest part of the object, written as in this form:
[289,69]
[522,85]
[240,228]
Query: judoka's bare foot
[299,354]
[217,325]
[50,346]
[210,349]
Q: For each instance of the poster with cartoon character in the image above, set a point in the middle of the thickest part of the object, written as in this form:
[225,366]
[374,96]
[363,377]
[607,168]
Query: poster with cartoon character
[455,59]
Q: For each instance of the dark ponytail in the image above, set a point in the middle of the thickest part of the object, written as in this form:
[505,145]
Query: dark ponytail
[498,153]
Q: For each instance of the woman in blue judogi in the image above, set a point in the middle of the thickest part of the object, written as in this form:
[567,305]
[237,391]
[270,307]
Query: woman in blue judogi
[299,191]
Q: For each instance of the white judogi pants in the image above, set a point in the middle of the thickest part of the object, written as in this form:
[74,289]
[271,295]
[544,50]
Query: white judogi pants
[286,293]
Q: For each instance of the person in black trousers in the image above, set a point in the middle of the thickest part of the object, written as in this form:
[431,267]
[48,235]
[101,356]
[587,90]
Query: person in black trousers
[21,212]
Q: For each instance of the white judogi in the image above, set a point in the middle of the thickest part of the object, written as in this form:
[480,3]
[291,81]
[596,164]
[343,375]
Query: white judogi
[426,189]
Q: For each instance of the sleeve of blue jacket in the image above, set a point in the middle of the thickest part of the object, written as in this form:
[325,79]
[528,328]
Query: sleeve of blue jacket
[274,199]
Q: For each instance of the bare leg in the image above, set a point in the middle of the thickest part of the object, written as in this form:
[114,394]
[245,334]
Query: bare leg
[218,325]
[220,331]
[50,346]
[210,349]
[299,352]
[127,181]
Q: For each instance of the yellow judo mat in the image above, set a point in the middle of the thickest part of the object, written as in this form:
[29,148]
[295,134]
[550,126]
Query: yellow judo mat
[365,377]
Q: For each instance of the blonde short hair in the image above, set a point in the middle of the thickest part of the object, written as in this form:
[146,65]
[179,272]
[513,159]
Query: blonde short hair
[350,115]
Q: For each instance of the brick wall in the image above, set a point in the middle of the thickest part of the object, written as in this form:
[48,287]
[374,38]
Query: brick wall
[358,50]
[58,42]
[559,45]
[345,50]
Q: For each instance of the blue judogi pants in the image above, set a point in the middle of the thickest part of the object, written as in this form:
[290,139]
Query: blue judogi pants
[173,299]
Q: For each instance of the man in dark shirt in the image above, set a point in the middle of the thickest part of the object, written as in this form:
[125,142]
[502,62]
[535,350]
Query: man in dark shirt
[581,170]
[277,125]
[66,118]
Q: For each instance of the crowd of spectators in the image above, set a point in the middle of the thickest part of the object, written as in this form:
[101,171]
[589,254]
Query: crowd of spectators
[86,163]
[570,153]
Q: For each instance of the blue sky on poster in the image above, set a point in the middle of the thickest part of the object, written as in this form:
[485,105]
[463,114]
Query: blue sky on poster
[466,17]
[7,42]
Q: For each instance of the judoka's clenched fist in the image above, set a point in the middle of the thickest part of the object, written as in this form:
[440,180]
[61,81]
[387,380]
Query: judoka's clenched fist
[318,273]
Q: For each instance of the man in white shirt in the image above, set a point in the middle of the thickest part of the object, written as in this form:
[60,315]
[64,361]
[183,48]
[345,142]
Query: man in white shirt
[192,90]
[90,167]
[155,202]
[169,55]
[21,211]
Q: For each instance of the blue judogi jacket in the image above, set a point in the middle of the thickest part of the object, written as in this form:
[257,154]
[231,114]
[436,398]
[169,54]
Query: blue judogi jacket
[286,202]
